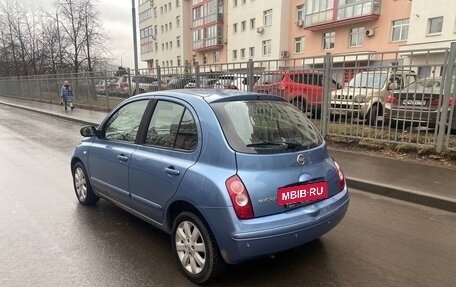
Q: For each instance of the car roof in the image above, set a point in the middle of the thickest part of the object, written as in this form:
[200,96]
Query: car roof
[211,95]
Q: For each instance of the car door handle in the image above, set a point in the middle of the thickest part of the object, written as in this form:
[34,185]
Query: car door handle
[171,170]
[122,157]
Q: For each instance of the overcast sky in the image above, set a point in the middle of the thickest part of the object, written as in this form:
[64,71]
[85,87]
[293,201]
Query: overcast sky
[117,23]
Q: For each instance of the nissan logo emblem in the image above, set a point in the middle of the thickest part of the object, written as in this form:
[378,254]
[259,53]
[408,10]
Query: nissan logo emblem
[300,159]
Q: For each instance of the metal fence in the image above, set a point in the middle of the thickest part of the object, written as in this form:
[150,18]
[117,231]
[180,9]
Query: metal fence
[402,97]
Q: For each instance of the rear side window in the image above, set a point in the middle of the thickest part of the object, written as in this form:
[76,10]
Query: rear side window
[307,79]
[267,79]
[172,126]
[266,127]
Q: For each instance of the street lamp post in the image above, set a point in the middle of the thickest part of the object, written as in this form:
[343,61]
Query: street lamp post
[135,42]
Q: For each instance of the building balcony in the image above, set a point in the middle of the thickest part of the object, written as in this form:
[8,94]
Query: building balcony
[343,13]
[208,44]
[208,20]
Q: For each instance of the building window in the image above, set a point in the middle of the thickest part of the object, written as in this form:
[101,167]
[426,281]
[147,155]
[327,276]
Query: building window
[356,37]
[235,3]
[204,58]
[157,63]
[170,44]
[161,12]
[197,13]
[216,56]
[267,48]
[299,44]
[170,25]
[163,46]
[243,1]
[299,12]
[169,6]
[234,54]
[328,40]
[178,3]
[242,53]
[235,28]
[155,12]
[179,61]
[267,17]
[178,20]
[400,30]
[171,63]
[243,25]
[435,25]
[178,41]
[145,15]
[252,52]
[252,23]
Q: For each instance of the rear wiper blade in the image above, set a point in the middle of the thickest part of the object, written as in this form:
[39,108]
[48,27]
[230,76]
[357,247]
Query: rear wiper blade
[284,144]
[263,143]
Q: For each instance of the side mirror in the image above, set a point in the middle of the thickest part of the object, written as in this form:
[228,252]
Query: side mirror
[393,86]
[88,131]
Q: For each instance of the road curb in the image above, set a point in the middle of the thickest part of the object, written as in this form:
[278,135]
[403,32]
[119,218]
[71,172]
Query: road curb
[64,117]
[429,200]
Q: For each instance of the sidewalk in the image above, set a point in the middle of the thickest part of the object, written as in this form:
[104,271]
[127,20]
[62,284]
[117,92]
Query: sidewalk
[419,183]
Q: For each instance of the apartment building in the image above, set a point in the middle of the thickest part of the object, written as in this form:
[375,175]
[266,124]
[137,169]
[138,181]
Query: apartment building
[355,28]
[208,35]
[365,32]
[258,30]
[432,28]
[165,35]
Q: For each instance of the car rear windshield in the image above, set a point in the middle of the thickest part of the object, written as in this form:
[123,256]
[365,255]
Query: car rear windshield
[267,79]
[266,127]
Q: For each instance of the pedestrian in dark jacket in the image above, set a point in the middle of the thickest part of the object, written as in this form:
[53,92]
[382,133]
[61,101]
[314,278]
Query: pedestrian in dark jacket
[66,95]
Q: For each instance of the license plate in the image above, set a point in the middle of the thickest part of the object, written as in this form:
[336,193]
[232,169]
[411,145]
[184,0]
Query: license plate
[413,103]
[302,193]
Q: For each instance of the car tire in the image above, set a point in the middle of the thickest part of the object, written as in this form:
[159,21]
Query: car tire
[374,113]
[300,103]
[199,259]
[82,186]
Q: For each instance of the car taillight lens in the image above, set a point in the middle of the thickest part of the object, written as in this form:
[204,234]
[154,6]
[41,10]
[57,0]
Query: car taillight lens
[239,197]
[452,101]
[435,101]
[392,99]
[341,176]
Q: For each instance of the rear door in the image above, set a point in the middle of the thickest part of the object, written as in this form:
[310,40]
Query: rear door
[169,148]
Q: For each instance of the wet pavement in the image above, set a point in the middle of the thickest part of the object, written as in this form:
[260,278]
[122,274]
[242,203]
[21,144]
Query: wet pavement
[48,239]
[429,185]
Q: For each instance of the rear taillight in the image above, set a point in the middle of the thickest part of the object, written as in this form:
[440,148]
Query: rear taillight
[341,176]
[452,101]
[392,99]
[239,197]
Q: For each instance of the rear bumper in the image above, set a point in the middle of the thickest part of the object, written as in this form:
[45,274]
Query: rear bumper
[421,117]
[248,239]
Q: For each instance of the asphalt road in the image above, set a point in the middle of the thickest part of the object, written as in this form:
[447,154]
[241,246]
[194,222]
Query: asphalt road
[48,239]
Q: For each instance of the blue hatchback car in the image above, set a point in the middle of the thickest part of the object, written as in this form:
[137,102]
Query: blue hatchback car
[230,175]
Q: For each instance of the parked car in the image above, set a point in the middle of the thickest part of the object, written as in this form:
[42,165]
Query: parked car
[224,81]
[230,175]
[364,96]
[179,82]
[203,83]
[304,89]
[147,84]
[242,83]
[420,104]
[120,86]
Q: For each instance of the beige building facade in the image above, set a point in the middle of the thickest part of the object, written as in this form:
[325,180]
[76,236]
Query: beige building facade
[365,32]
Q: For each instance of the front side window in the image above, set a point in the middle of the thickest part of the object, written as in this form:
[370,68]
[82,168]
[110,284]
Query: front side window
[329,40]
[267,17]
[400,30]
[356,37]
[124,124]
[435,25]
[172,126]
[266,127]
